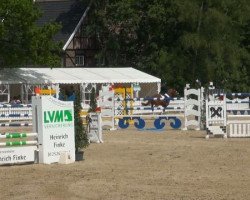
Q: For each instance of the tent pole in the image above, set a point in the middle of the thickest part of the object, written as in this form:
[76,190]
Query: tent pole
[158,87]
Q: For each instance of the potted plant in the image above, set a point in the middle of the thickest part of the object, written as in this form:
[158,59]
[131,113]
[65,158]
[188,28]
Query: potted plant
[81,138]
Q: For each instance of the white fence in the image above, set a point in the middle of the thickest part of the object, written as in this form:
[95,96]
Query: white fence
[18,113]
[22,113]
[176,105]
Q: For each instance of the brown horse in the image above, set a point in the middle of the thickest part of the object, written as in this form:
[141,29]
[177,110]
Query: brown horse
[161,100]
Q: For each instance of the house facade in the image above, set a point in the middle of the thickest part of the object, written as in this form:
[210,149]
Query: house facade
[78,49]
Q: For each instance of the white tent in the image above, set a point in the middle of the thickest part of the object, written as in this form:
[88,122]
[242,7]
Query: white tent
[75,75]
[83,76]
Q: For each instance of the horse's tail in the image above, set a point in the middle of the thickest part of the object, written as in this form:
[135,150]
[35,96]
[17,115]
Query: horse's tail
[146,103]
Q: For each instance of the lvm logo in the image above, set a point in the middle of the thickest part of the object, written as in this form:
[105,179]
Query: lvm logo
[57,116]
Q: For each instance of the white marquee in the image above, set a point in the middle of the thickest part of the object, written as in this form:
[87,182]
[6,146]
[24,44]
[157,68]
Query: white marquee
[74,75]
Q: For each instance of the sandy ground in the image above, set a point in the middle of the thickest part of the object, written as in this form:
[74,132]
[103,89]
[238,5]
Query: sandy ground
[144,165]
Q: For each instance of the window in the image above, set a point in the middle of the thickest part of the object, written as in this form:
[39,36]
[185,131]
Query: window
[4,93]
[79,60]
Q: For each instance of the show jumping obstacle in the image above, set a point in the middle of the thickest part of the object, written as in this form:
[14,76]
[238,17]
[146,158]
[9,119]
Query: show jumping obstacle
[161,100]
[216,118]
[139,121]
[239,128]
[16,115]
[15,105]
[148,98]
[218,122]
[53,130]
[19,151]
[222,115]
[15,124]
[193,100]
[191,107]
[108,102]
[149,108]
[107,105]
[18,135]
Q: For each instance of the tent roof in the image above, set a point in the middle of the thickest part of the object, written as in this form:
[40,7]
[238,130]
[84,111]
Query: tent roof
[75,75]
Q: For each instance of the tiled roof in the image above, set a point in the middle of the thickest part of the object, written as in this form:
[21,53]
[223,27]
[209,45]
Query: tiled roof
[66,12]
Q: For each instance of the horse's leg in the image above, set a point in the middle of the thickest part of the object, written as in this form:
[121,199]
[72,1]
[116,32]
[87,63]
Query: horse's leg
[165,107]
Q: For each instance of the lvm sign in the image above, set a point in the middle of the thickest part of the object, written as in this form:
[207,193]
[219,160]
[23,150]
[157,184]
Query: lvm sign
[55,120]
[53,127]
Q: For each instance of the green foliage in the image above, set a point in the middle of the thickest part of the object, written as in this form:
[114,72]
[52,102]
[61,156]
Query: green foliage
[93,103]
[22,42]
[179,41]
[81,137]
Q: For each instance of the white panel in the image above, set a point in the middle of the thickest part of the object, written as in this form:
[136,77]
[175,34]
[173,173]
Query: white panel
[193,91]
[192,102]
[244,129]
[17,154]
[192,122]
[193,112]
[248,130]
[55,128]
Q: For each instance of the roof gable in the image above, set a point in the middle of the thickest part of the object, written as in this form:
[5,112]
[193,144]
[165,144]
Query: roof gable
[66,12]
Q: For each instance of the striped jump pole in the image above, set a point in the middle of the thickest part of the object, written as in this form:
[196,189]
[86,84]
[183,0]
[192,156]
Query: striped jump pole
[15,105]
[237,101]
[15,115]
[144,116]
[18,135]
[15,124]
[149,108]
[233,94]
[241,112]
[147,99]
[18,143]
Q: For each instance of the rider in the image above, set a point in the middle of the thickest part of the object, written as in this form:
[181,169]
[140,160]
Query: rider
[163,92]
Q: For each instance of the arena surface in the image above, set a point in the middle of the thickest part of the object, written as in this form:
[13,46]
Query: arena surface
[133,164]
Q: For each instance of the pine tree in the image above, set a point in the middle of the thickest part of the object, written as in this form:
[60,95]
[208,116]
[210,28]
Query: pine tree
[81,137]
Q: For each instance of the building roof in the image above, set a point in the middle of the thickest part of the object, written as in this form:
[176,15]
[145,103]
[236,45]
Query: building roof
[66,12]
[75,75]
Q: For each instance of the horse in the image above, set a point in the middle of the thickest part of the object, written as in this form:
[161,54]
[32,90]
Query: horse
[161,100]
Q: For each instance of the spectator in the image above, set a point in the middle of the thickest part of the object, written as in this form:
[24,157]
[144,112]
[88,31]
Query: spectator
[15,100]
[71,94]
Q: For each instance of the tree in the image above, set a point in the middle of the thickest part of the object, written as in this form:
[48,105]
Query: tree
[81,137]
[210,39]
[179,41]
[22,42]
